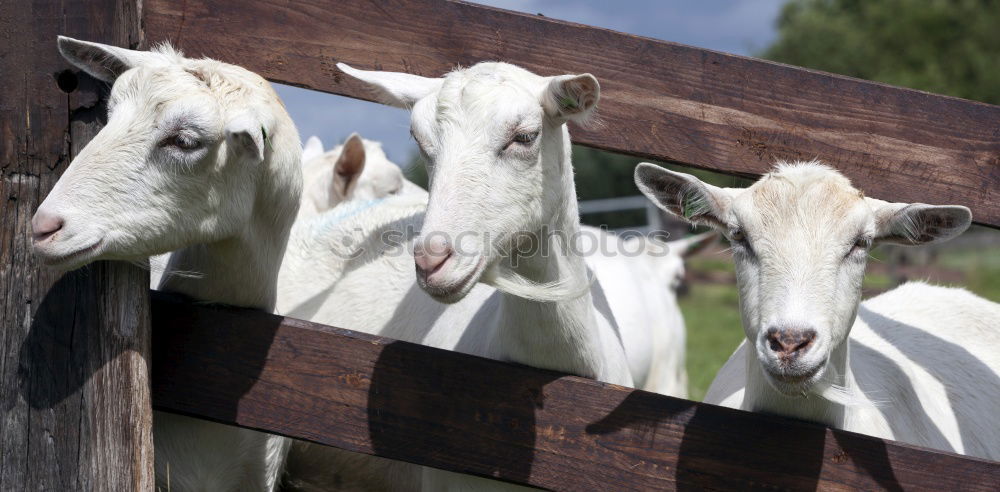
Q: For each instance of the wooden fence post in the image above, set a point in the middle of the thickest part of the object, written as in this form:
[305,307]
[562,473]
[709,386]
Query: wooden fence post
[74,352]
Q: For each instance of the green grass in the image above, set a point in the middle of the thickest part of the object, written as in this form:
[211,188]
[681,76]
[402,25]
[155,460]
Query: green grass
[712,313]
[712,317]
[980,268]
[876,282]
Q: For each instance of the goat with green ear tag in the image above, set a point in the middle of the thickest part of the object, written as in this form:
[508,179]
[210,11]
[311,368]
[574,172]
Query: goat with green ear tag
[918,364]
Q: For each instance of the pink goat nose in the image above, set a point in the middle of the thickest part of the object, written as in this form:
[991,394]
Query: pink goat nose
[790,343]
[431,253]
[44,225]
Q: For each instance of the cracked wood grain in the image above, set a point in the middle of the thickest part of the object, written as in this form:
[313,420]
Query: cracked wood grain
[74,348]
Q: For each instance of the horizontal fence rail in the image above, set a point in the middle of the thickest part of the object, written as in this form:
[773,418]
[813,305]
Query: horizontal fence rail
[660,100]
[473,415]
[614,204]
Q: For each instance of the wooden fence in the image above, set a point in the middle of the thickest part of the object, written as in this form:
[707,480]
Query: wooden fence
[74,357]
[74,350]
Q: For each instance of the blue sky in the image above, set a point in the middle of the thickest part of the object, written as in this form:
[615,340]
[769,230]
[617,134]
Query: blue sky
[733,26]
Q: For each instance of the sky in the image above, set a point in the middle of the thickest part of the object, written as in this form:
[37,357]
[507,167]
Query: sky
[734,26]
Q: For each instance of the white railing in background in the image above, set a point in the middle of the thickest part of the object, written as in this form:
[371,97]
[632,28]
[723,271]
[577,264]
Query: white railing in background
[654,220]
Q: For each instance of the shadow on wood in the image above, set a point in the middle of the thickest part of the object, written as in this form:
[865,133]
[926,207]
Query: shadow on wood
[230,368]
[441,414]
[85,332]
[60,355]
[714,451]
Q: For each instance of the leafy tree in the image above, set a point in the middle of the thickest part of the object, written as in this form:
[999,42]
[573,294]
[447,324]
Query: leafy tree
[948,47]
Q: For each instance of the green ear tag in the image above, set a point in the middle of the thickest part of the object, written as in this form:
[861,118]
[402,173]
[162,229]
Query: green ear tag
[568,102]
[686,210]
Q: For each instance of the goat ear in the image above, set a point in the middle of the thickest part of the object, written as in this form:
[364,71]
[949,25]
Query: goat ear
[398,89]
[918,223]
[312,149]
[350,164]
[246,133]
[101,61]
[684,195]
[692,245]
[571,97]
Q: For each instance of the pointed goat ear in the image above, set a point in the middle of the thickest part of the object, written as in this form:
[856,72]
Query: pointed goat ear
[684,195]
[350,164]
[312,149]
[247,134]
[571,97]
[918,223]
[398,89]
[101,61]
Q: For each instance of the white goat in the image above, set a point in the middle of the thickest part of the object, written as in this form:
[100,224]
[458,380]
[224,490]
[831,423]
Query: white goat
[200,158]
[640,275]
[349,267]
[353,235]
[356,170]
[920,364]
[501,178]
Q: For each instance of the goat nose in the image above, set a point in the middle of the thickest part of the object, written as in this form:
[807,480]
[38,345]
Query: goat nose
[44,225]
[431,253]
[790,343]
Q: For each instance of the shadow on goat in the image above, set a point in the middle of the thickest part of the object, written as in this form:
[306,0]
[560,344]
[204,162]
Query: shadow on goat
[946,361]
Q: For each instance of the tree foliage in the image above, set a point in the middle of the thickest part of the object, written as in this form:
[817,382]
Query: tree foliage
[948,47]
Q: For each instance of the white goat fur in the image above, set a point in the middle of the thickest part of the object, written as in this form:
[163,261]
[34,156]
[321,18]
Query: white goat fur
[640,279]
[363,173]
[200,158]
[919,364]
[639,276]
[331,177]
[460,122]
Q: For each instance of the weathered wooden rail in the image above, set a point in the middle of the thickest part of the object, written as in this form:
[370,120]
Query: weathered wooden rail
[74,359]
[473,415]
[659,100]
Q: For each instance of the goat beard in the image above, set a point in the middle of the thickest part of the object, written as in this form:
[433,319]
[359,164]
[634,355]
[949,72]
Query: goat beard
[565,289]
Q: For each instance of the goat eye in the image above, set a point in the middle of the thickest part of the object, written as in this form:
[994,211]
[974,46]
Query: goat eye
[862,244]
[525,138]
[182,142]
[737,235]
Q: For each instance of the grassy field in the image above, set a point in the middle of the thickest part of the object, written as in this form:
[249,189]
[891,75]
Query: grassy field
[712,317]
[711,309]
